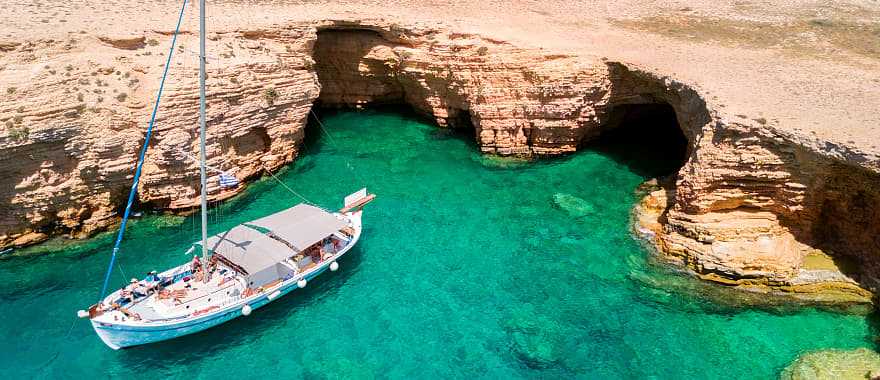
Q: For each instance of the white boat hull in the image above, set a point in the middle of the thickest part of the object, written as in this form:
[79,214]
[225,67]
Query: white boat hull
[122,335]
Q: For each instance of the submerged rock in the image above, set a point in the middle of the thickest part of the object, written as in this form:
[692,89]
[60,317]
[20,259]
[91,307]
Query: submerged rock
[860,363]
[535,340]
[574,206]
[503,162]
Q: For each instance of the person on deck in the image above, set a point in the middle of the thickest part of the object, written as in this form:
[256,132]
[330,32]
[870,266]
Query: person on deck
[314,253]
[196,264]
[212,264]
[126,295]
[328,246]
[152,276]
[153,282]
[133,290]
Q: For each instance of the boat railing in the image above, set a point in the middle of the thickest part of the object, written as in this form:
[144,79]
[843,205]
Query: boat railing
[234,299]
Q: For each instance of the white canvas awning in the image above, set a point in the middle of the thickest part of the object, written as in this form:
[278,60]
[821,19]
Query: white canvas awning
[260,254]
[301,225]
[249,249]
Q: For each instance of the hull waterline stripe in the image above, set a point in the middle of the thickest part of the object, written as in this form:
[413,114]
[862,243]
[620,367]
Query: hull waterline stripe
[140,165]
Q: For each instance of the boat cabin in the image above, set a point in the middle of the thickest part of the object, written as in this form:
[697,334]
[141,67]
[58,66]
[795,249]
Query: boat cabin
[279,246]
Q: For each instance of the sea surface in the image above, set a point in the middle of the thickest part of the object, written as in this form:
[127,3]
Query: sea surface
[469,267]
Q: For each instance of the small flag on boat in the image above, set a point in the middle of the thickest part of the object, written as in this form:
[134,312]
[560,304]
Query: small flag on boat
[228,180]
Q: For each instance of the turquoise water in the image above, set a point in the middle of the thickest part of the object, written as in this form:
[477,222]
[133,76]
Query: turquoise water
[469,266]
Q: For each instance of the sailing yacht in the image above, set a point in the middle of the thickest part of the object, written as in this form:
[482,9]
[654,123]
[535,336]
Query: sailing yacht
[240,270]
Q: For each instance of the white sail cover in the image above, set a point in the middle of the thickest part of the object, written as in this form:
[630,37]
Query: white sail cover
[301,225]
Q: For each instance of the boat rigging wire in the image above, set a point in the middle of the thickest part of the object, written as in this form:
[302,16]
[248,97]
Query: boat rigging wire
[333,142]
[288,187]
[141,157]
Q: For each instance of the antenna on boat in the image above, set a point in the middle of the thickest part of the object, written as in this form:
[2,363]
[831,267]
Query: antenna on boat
[202,135]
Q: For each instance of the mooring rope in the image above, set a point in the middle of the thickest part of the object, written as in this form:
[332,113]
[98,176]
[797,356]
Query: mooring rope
[332,141]
[335,145]
[141,156]
[288,187]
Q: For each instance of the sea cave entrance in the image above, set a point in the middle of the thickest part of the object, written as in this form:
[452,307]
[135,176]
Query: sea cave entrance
[360,69]
[645,137]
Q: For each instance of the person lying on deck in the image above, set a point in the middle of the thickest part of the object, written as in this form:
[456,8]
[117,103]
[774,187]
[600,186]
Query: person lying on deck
[129,313]
[176,295]
[124,311]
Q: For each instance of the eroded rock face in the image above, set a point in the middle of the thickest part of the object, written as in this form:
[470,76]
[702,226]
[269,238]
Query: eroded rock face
[518,101]
[749,206]
[752,206]
[73,131]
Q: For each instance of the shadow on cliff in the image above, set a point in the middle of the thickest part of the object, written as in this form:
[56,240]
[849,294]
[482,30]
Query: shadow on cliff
[644,137]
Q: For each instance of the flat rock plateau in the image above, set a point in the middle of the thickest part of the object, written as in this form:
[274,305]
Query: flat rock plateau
[779,190]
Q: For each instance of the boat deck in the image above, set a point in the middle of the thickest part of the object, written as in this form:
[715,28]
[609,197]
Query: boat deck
[185,297]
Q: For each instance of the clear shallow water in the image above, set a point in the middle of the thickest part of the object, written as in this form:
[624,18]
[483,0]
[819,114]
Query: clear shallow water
[470,266]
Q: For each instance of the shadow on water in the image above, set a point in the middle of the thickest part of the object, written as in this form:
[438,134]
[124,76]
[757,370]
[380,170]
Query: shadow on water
[874,328]
[316,138]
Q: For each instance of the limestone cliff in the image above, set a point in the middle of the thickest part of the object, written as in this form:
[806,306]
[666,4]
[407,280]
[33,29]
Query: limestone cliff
[753,206]
[519,101]
[78,116]
[750,206]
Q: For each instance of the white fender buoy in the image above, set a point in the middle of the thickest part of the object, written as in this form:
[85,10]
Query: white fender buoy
[301,283]
[274,295]
[334,266]
[246,310]
[82,314]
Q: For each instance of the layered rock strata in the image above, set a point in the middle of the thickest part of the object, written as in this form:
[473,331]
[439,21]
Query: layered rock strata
[518,101]
[752,205]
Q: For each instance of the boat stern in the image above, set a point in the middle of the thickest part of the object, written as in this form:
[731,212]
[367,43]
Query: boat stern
[354,205]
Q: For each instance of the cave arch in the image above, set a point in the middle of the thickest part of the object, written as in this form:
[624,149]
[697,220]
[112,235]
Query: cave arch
[359,67]
[356,67]
[646,137]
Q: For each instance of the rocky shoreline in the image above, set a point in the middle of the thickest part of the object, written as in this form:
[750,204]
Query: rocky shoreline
[753,205]
[819,280]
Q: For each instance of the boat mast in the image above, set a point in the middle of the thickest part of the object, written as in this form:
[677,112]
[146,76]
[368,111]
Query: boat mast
[202,127]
